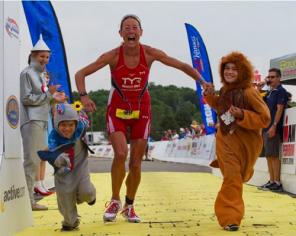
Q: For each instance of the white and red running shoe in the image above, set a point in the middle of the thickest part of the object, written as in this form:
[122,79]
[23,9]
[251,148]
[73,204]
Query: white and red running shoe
[41,191]
[112,208]
[128,212]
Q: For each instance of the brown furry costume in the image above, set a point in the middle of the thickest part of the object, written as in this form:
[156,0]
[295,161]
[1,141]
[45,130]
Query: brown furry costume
[239,143]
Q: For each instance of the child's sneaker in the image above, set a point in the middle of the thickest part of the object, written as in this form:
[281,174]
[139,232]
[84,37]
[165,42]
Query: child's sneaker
[113,208]
[71,228]
[129,213]
[92,202]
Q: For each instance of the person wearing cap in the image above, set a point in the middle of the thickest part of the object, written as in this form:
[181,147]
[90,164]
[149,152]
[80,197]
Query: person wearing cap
[35,98]
[129,107]
[72,179]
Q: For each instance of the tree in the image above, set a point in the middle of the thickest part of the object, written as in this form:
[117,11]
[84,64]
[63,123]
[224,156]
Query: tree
[172,108]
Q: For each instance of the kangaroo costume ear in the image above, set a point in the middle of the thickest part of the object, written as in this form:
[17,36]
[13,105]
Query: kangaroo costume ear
[64,111]
[40,45]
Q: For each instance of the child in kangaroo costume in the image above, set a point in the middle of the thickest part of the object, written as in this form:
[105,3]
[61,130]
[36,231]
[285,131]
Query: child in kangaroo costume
[68,154]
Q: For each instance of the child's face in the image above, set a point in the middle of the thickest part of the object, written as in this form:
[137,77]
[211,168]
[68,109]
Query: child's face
[67,128]
[230,73]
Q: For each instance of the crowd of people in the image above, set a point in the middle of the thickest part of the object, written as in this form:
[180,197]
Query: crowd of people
[242,113]
[194,131]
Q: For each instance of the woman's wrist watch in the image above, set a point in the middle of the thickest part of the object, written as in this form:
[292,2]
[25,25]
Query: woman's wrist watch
[82,94]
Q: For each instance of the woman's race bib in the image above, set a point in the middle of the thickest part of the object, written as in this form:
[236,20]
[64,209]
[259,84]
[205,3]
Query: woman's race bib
[127,114]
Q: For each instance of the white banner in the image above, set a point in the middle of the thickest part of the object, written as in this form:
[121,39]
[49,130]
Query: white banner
[288,147]
[195,151]
[15,207]
[11,82]
[199,151]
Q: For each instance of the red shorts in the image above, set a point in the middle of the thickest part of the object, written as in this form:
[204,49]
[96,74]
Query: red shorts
[139,128]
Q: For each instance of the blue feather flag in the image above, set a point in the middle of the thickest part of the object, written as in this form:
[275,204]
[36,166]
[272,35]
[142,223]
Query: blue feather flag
[41,19]
[200,62]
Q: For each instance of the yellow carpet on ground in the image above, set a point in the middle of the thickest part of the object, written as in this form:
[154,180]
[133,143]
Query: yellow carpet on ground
[173,204]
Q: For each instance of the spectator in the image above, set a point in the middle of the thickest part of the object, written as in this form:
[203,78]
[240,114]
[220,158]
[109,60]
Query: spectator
[182,133]
[165,137]
[276,100]
[175,135]
[188,133]
[170,134]
[202,130]
[147,156]
[289,102]
[195,128]
[35,98]
[39,186]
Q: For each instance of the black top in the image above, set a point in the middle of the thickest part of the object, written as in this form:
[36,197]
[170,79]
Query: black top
[277,96]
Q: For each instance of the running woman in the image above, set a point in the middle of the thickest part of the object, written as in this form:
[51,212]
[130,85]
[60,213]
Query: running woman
[129,108]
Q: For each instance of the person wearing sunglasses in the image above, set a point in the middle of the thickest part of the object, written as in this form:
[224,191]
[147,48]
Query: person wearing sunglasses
[276,100]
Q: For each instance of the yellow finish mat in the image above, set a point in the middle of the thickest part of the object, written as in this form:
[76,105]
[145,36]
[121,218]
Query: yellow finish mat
[173,204]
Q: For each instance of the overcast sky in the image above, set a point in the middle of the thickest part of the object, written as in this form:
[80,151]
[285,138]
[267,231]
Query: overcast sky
[261,30]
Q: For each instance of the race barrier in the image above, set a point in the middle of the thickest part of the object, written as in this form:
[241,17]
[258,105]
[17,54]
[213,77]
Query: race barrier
[201,151]
[193,151]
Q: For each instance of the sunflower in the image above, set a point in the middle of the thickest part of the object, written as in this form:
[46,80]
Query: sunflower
[77,105]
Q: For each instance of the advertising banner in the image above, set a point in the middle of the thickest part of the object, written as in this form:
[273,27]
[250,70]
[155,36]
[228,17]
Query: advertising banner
[287,65]
[10,83]
[288,147]
[42,19]
[200,62]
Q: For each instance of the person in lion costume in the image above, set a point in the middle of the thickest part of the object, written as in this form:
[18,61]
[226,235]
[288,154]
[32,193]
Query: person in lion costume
[242,114]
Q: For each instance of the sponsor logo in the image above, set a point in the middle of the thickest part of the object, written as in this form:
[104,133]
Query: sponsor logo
[12,112]
[12,28]
[2,208]
[195,45]
[287,161]
[289,133]
[131,83]
[142,72]
[11,194]
[208,114]
[288,150]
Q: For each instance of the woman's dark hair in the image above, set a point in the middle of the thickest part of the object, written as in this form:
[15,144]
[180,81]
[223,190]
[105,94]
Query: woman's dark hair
[130,16]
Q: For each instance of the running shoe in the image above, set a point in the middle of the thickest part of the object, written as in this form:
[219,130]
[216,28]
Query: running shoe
[38,207]
[41,191]
[265,187]
[276,188]
[112,208]
[231,227]
[129,214]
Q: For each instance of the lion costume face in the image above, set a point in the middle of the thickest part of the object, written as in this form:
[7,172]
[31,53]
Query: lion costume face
[244,67]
